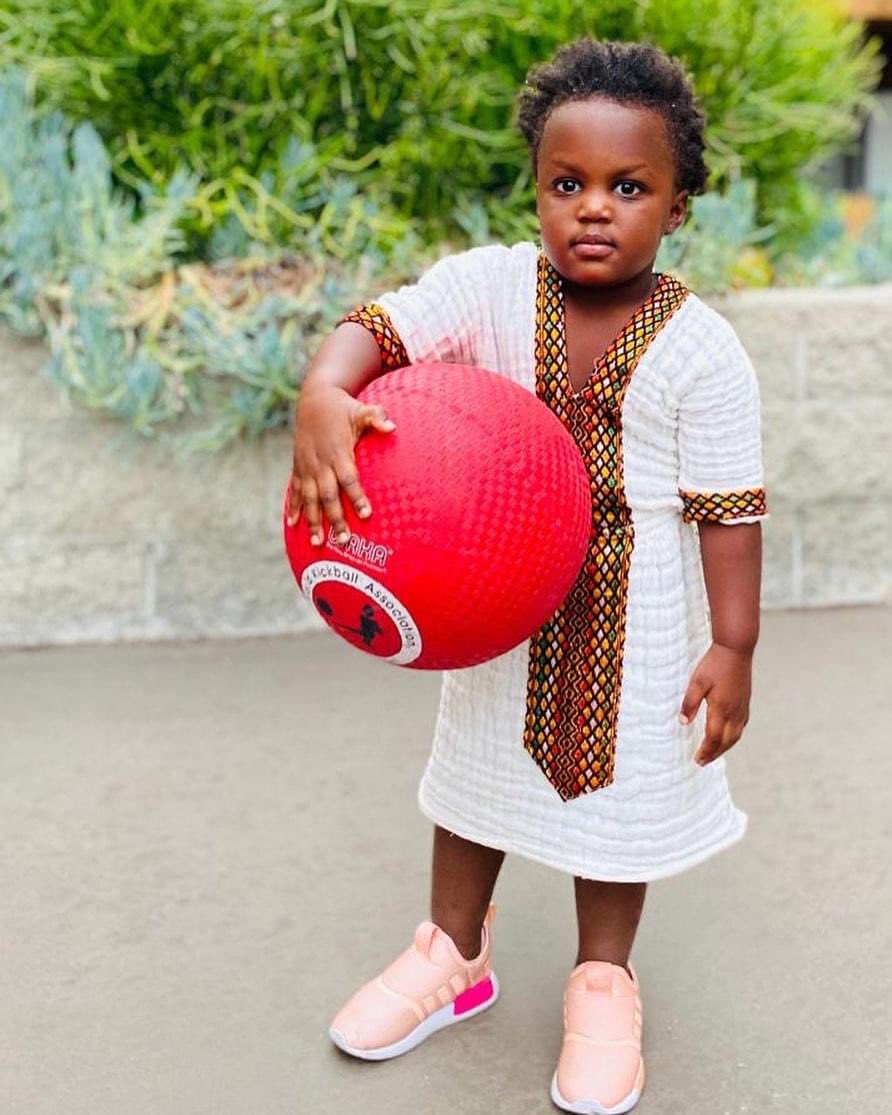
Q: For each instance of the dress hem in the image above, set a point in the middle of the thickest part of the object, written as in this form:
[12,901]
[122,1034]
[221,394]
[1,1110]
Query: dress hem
[628,875]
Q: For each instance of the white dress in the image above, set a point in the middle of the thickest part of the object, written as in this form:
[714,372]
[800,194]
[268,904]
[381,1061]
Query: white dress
[675,402]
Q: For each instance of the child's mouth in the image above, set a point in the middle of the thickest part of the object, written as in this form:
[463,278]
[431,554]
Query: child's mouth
[593,251]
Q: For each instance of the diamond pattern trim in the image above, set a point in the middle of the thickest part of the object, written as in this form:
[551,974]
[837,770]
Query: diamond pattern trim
[377,320]
[717,507]
[576,658]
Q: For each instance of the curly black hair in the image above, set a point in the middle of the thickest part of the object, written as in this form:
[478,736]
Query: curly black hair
[630,73]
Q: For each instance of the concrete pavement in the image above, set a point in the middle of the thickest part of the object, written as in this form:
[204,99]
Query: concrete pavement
[204,848]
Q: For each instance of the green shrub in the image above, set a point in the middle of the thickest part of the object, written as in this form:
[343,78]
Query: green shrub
[836,253]
[130,331]
[224,346]
[60,210]
[403,109]
[705,252]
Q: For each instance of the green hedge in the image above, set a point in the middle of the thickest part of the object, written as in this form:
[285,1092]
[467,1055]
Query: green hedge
[199,354]
[305,119]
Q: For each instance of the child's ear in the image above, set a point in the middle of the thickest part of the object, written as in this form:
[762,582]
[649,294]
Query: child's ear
[678,212]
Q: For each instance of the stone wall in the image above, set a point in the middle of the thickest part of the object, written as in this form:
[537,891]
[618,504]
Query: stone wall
[104,536]
[824,360]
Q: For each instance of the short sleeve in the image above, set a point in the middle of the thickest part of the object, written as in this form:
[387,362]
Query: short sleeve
[719,439]
[437,318]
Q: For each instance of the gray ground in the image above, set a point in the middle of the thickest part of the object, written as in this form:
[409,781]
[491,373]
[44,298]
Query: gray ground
[207,847]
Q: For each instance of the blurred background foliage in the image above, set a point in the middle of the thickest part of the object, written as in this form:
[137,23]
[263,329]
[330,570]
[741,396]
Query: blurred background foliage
[191,194]
[134,328]
[282,106]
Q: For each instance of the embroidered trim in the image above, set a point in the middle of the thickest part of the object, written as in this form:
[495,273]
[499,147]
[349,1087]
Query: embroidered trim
[576,658]
[719,507]
[376,319]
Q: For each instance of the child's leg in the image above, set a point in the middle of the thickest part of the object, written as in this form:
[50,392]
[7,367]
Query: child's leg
[463,876]
[601,1067]
[427,986]
[607,915]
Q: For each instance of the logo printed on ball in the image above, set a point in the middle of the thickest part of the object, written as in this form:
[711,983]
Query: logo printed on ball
[357,605]
[368,628]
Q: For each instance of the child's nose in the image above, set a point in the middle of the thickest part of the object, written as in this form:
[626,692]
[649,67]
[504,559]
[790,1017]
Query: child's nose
[595,203]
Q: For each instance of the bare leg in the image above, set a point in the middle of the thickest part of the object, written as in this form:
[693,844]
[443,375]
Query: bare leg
[463,876]
[607,916]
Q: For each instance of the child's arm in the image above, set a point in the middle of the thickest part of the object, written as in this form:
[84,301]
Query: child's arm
[732,571]
[434,319]
[721,489]
[328,423]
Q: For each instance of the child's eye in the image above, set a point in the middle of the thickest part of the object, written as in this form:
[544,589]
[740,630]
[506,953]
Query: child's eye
[635,185]
[560,180]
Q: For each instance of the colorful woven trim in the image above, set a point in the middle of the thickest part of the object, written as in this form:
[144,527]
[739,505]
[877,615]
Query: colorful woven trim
[720,507]
[576,659]
[376,319]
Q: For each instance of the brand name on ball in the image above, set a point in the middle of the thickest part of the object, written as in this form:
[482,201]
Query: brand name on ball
[362,550]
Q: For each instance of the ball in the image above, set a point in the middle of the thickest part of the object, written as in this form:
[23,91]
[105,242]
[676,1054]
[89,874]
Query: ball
[481,516]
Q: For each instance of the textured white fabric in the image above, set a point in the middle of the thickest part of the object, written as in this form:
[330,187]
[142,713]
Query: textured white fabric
[690,420]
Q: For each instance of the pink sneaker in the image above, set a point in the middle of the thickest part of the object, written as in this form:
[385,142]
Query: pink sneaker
[427,987]
[600,1070]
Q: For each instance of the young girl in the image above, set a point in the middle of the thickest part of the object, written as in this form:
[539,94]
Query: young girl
[589,747]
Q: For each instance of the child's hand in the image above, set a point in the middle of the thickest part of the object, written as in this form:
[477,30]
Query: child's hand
[329,424]
[724,677]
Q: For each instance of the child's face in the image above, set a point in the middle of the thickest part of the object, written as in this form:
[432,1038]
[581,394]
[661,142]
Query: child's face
[605,169]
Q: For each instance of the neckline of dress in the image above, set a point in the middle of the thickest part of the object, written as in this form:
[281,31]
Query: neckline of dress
[624,330]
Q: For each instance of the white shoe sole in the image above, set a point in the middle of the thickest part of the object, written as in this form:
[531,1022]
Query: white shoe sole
[439,1020]
[592,1107]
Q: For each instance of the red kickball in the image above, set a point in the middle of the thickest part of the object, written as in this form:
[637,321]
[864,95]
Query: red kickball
[481,515]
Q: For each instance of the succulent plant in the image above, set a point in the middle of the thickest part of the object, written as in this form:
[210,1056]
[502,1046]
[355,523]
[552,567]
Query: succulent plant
[200,352]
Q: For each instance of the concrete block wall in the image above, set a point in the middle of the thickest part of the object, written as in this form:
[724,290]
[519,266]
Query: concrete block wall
[824,361]
[103,536]
[106,536]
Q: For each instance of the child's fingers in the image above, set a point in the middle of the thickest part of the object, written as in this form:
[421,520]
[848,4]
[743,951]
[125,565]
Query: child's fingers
[348,478]
[696,691]
[295,500]
[711,744]
[721,733]
[329,494]
[376,416]
[313,510]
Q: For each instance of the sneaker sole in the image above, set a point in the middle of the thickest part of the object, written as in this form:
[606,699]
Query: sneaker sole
[466,1006]
[592,1107]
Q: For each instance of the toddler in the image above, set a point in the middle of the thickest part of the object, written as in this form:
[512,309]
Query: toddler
[597,746]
